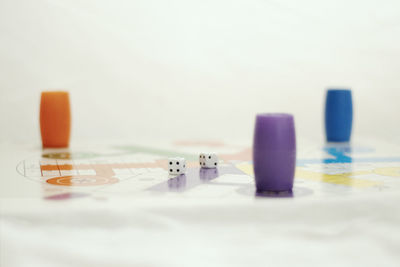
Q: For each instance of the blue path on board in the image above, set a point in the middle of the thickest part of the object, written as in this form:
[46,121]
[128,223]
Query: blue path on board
[343,155]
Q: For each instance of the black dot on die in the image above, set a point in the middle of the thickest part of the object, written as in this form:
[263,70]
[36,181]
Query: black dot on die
[170,163]
[177,170]
[177,163]
[204,163]
[170,170]
[215,164]
[209,157]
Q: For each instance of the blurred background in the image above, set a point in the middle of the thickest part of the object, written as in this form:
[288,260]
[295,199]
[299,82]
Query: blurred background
[198,69]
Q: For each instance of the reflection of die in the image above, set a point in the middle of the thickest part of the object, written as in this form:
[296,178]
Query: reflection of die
[207,175]
[177,183]
[208,160]
[176,165]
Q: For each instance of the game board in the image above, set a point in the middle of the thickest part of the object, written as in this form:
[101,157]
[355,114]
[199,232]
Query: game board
[133,170]
[105,203]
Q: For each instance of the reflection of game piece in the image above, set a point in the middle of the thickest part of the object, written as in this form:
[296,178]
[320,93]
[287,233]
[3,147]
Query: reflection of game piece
[338,115]
[274,152]
[176,165]
[208,160]
[55,119]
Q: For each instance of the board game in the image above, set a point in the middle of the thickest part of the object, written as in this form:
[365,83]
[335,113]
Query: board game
[141,171]
[341,190]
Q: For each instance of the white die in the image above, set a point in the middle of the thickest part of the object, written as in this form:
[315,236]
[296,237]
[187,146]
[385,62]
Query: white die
[208,160]
[176,165]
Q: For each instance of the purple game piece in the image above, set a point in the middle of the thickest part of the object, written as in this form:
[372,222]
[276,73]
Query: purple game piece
[274,152]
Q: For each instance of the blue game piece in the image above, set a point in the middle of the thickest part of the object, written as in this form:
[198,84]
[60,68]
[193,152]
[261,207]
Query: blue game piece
[338,115]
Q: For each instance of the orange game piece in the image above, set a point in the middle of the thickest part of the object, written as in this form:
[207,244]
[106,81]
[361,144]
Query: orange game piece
[55,119]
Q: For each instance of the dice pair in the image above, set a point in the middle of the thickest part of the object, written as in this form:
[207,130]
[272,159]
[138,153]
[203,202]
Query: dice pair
[208,160]
[176,166]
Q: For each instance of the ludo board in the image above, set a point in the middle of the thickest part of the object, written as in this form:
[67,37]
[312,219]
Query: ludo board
[131,170]
[114,204]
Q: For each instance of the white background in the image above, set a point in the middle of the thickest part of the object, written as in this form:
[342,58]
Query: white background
[201,69]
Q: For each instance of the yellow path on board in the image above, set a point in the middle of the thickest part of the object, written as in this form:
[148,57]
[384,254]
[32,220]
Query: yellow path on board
[339,179]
